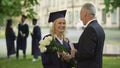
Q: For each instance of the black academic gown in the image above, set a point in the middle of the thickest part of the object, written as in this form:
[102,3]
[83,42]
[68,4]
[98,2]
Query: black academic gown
[10,38]
[90,46]
[51,60]
[36,37]
[22,41]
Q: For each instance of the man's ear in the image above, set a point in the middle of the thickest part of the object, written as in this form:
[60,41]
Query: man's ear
[86,13]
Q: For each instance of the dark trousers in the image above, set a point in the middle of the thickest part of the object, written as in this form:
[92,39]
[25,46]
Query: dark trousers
[35,56]
[24,54]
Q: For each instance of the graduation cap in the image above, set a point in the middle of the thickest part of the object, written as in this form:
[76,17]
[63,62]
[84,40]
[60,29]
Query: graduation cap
[54,15]
[24,16]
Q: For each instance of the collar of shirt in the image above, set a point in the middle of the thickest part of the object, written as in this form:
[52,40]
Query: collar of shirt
[23,23]
[89,22]
[35,25]
[61,41]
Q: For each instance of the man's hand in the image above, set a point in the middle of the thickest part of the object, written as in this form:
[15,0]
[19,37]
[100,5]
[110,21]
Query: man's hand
[67,57]
[73,52]
[23,35]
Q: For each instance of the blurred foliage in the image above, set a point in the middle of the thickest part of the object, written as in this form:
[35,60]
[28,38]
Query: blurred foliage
[111,5]
[14,8]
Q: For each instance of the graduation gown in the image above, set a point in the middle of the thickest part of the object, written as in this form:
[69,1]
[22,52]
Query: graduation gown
[90,46]
[10,38]
[51,60]
[22,41]
[36,37]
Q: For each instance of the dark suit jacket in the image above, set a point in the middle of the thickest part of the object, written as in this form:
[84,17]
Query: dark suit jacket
[36,37]
[90,46]
[22,41]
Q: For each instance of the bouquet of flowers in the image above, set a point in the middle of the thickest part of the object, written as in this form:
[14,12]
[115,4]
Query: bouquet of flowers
[49,44]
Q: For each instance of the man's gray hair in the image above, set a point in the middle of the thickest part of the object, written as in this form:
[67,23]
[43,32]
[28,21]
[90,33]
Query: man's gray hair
[90,7]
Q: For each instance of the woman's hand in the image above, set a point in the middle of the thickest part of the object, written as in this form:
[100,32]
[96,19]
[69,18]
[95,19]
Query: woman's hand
[65,56]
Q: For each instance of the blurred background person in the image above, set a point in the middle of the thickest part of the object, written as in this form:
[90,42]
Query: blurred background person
[10,38]
[36,37]
[23,31]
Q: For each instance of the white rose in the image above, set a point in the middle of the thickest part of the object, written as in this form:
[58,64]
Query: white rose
[46,42]
[42,43]
[42,49]
[49,38]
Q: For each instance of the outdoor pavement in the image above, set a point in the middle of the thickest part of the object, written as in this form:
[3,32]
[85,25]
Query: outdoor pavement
[72,33]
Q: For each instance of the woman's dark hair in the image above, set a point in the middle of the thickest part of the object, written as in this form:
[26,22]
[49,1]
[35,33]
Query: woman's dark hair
[9,23]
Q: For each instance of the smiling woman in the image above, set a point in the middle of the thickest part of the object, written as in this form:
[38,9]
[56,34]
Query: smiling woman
[60,26]
[59,45]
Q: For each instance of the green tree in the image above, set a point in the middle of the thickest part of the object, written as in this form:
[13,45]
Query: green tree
[111,5]
[14,8]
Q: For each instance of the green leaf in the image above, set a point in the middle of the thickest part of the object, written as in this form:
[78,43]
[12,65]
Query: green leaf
[111,3]
[13,8]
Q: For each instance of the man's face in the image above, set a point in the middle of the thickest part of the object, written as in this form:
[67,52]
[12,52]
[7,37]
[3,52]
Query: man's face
[23,19]
[34,22]
[83,16]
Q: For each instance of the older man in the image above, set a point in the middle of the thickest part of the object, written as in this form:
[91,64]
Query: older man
[89,48]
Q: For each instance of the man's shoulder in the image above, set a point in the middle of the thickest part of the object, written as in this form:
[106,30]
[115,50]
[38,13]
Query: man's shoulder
[26,25]
[37,26]
[94,24]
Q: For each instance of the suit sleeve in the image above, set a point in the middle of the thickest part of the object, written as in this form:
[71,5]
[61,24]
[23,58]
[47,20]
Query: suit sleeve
[86,45]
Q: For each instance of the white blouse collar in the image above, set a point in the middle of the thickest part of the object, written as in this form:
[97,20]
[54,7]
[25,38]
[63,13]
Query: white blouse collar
[60,40]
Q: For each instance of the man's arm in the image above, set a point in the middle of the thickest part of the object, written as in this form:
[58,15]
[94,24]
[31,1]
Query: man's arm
[87,44]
